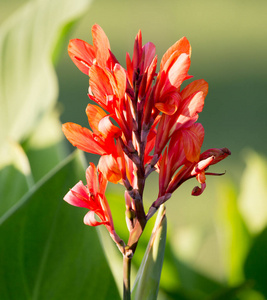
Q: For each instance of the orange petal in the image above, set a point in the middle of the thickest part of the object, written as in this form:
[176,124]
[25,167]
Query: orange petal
[101,44]
[107,129]
[92,180]
[195,86]
[101,82]
[82,54]
[108,166]
[182,46]
[120,77]
[179,70]
[94,114]
[83,138]
[188,111]
[169,103]
[192,141]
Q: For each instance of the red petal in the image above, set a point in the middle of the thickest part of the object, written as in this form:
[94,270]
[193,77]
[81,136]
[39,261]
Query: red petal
[188,112]
[95,114]
[101,44]
[107,129]
[120,77]
[195,86]
[92,180]
[83,138]
[192,140]
[179,70]
[89,219]
[197,190]
[78,195]
[82,54]
[182,46]
[101,81]
[169,103]
[110,168]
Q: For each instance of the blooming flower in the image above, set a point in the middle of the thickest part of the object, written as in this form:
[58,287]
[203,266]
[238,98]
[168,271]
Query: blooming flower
[143,121]
[85,55]
[92,197]
[99,141]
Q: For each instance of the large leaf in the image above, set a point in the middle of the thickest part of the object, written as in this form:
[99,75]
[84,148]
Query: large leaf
[15,175]
[256,263]
[46,250]
[28,84]
[233,233]
[46,147]
[253,199]
[148,277]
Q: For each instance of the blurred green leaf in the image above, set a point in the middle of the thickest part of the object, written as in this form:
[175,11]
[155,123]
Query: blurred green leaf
[46,250]
[148,277]
[15,175]
[256,263]
[253,192]
[46,147]
[231,293]
[233,233]
[28,41]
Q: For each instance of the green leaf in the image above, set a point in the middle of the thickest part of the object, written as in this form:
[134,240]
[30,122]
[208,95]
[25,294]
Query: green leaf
[148,277]
[253,204]
[233,233]
[256,263]
[45,148]
[46,250]
[15,175]
[28,41]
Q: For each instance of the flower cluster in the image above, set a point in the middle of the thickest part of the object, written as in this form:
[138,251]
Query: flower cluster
[143,122]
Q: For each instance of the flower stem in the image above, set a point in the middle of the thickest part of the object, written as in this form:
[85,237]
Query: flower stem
[126,277]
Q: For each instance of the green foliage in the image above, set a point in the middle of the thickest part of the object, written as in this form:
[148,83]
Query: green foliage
[46,250]
[148,277]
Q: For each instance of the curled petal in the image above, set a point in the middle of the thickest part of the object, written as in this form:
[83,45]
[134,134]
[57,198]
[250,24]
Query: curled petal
[89,219]
[169,103]
[107,129]
[197,190]
[78,195]
[94,114]
[218,154]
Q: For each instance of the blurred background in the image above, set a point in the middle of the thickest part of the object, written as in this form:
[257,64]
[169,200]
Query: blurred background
[229,46]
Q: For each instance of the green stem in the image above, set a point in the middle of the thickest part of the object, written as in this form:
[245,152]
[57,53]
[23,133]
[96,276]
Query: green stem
[126,277]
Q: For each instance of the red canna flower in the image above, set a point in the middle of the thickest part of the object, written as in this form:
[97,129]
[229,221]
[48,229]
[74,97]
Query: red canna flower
[92,196]
[198,170]
[85,55]
[155,127]
[174,68]
[99,141]
[191,104]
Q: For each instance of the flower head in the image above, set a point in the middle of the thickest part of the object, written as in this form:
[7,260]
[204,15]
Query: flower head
[143,121]
[92,196]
